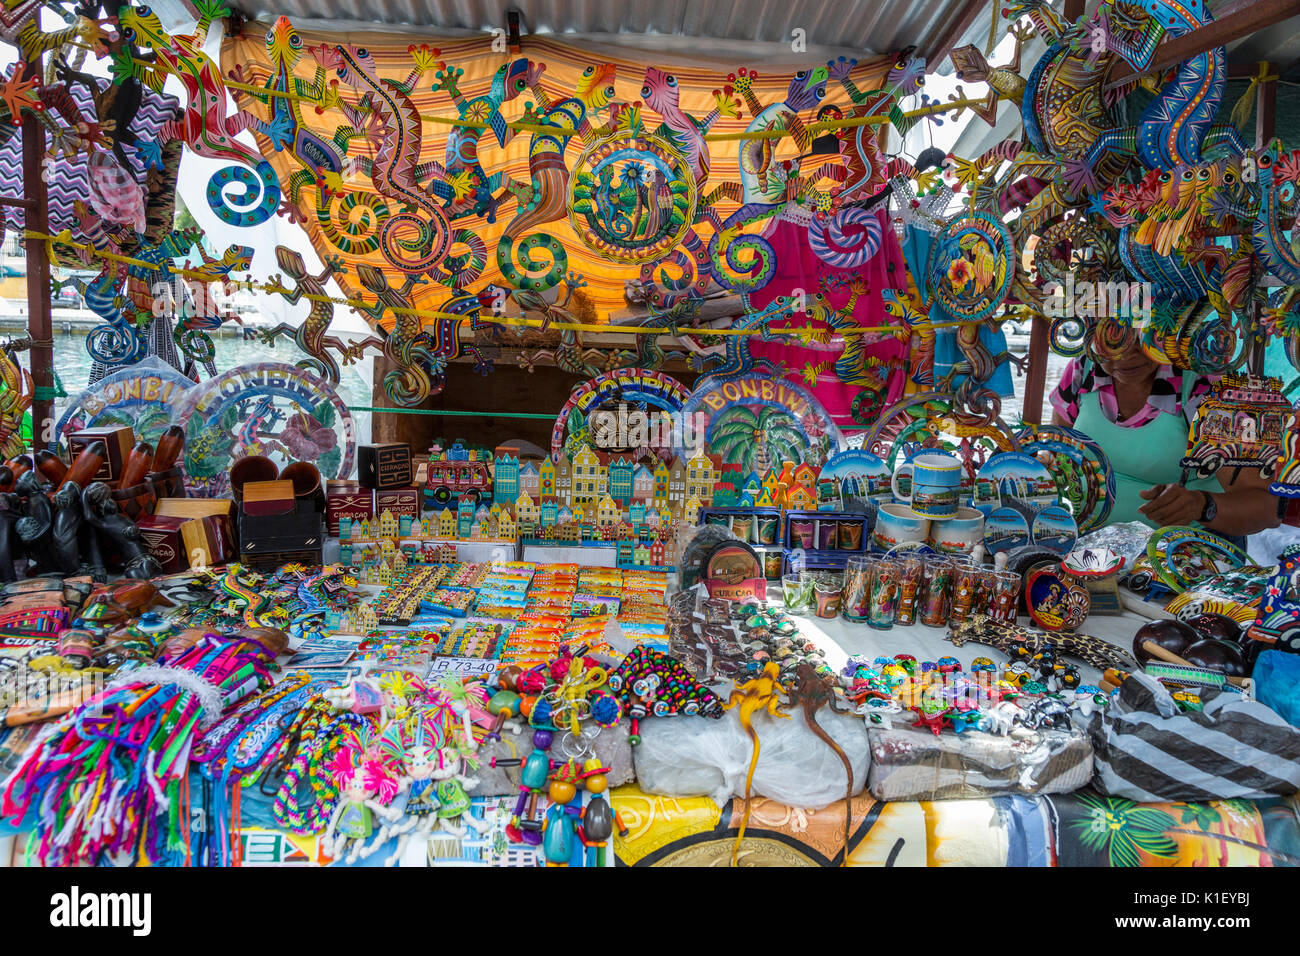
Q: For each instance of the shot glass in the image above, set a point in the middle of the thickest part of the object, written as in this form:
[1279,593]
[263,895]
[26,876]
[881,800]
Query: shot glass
[792,590]
[850,535]
[965,586]
[937,595]
[911,582]
[1006,597]
[857,589]
[772,561]
[827,592]
[885,591]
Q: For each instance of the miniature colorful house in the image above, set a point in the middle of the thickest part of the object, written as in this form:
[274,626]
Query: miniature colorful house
[505,474]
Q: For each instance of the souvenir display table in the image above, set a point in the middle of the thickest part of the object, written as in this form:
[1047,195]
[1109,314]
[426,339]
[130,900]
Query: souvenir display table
[763,567]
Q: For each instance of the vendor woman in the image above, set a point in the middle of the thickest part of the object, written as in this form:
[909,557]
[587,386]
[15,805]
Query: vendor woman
[1138,411]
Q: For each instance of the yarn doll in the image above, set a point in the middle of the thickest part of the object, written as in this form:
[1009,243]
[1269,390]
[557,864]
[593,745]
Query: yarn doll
[366,788]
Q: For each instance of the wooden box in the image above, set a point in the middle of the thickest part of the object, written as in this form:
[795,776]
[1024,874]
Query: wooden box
[347,499]
[163,539]
[195,507]
[273,560]
[117,439]
[293,531]
[386,466]
[210,528]
[400,501]
[268,498]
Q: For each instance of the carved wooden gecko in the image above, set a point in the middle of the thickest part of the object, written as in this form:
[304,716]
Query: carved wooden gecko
[812,692]
[761,693]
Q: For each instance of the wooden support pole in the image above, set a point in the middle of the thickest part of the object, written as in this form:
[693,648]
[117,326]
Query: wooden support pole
[1031,409]
[40,326]
[1265,118]
[1265,109]
[1036,376]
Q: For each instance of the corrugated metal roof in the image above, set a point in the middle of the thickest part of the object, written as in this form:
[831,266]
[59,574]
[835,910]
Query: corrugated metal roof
[862,27]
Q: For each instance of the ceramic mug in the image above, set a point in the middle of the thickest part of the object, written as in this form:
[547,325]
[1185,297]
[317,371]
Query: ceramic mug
[895,525]
[958,534]
[936,484]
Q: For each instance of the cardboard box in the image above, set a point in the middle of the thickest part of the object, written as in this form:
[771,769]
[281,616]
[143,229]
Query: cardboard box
[347,499]
[400,501]
[117,439]
[163,539]
[384,466]
[268,498]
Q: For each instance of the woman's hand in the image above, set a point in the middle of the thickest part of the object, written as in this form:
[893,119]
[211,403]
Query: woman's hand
[1172,505]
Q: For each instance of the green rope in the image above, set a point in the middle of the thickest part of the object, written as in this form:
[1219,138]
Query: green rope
[434,411]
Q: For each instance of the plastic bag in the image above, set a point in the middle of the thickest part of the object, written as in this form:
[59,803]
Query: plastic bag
[691,756]
[911,764]
[1146,749]
[1277,684]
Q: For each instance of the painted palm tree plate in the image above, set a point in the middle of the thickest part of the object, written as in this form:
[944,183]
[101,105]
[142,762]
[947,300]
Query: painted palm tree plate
[758,423]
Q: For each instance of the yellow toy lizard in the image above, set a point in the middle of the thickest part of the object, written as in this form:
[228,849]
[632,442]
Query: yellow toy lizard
[762,693]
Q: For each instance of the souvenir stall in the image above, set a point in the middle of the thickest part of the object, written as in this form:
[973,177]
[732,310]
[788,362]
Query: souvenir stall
[689,521]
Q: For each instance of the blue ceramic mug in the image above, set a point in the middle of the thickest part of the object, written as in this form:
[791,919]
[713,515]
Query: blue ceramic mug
[935,491]
[958,534]
[897,525]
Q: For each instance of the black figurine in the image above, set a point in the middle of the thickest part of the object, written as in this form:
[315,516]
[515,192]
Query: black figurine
[37,523]
[101,511]
[11,548]
[65,540]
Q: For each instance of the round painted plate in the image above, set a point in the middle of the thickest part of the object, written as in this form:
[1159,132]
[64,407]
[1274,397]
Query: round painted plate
[1101,471]
[264,408]
[1016,475]
[1005,529]
[1054,528]
[859,474]
[1183,557]
[1069,466]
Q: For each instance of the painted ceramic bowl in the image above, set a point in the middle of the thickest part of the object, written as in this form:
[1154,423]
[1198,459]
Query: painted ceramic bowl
[1092,562]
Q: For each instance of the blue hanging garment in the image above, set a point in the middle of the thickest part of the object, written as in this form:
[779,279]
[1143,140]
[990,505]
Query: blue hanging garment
[916,250]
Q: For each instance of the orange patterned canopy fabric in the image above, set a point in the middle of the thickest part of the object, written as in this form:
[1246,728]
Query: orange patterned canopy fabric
[382,163]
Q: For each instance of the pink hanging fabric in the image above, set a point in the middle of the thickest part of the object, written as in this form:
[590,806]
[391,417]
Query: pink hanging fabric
[799,268]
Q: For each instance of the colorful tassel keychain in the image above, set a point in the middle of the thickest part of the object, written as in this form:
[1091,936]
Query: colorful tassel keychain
[100,781]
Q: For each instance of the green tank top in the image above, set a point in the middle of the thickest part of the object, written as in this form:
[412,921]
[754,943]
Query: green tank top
[1141,457]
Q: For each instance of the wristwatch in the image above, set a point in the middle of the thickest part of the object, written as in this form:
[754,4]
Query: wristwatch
[1211,509]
